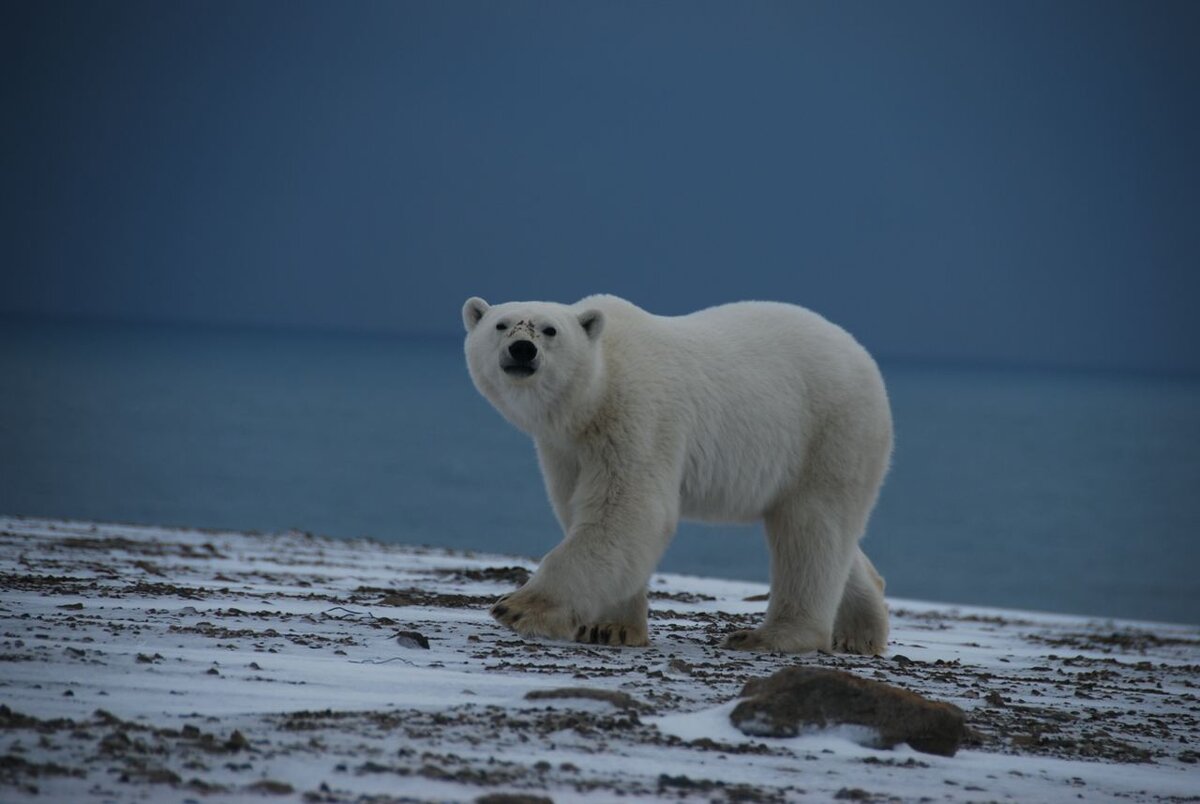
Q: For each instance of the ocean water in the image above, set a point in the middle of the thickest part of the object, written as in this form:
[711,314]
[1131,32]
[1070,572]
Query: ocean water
[1071,492]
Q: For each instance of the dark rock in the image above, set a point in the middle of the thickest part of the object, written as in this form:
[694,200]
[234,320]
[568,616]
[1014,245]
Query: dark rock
[412,639]
[621,700]
[198,785]
[795,697]
[680,666]
[512,798]
[107,718]
[237,741]
[683,782]
[116,742]
[151,776]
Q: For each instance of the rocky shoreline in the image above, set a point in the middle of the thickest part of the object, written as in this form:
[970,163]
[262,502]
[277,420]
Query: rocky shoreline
[143,663]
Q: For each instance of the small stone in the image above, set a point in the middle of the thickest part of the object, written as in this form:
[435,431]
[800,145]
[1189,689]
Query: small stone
[782,704]
[271,786]
[412,639]
[680,666]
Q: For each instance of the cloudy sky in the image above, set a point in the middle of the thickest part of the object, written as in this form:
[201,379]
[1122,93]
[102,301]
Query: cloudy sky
[985,181]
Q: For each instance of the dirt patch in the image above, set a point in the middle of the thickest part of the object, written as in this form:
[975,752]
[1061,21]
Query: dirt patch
[621,700]
[1114,642]
[680,597]
[419,597]
[517,576]
[140,547]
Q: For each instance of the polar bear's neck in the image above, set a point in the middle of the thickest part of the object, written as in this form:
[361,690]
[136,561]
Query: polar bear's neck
[563,416]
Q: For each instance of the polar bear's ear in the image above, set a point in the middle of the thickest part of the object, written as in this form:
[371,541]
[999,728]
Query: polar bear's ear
[592,322]
[473,310]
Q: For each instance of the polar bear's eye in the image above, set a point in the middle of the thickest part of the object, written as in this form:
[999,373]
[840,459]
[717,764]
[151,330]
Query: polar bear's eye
[502,326]
[549,332]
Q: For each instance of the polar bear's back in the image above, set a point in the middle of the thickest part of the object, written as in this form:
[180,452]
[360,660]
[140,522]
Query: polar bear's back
[751,386]
[762,345]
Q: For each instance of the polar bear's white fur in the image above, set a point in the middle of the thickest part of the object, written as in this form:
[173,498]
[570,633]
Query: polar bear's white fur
[737,413]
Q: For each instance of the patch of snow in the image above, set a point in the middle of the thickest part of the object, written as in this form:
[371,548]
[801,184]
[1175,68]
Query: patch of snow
[141,650]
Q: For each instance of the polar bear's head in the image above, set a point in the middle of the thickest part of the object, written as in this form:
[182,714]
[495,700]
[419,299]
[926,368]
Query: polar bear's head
[538,363]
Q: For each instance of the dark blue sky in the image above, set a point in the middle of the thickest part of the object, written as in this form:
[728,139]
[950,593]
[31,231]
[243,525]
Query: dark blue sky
[1003,181]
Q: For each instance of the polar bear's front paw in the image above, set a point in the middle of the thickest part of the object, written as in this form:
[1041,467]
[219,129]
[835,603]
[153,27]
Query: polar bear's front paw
[531,614]
[764,640]
[634,636]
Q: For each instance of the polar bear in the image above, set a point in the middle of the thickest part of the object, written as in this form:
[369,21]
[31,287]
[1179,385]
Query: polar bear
[737,413]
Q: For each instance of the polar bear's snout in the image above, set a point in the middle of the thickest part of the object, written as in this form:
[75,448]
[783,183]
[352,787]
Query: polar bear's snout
[521,359]
[523,351]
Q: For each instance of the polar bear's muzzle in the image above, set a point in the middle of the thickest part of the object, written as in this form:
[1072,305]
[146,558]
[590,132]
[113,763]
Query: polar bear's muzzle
[519,359]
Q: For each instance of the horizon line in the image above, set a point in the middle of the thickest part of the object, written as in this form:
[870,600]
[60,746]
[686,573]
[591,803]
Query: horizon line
[332,330]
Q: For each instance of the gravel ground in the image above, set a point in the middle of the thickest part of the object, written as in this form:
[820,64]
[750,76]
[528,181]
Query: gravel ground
[156,664]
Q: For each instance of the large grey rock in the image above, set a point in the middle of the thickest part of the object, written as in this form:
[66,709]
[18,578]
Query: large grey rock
[798,698]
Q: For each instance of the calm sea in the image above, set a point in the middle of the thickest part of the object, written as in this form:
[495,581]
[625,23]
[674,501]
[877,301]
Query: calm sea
[1068,492]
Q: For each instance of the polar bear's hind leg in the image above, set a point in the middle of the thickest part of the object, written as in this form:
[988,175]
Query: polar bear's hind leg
[812,551]
[862,619]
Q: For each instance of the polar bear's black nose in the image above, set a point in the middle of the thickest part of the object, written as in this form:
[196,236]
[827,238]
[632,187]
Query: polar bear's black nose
[523,351]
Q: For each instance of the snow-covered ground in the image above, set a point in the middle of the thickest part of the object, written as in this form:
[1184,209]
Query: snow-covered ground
[158,664]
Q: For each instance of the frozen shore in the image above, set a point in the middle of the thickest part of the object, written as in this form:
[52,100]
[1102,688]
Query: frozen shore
[141,663]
